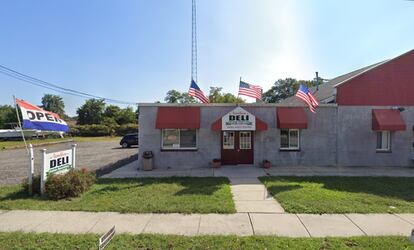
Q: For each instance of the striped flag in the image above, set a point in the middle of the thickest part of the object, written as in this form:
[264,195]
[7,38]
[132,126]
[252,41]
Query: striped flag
[37,118]
[250,90]
[196,92]
[305,95]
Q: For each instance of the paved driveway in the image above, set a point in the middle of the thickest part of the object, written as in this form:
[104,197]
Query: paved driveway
[91,155]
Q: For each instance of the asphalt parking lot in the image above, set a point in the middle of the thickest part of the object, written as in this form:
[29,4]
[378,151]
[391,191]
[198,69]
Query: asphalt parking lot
[89,155]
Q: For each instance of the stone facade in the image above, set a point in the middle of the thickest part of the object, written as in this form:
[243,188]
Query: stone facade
[336,135]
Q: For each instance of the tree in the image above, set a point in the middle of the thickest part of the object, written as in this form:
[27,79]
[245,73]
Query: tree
[112,111]
[53,103]
[7,115]
[125,116]
[284,88]
[216,96]
[174,96]
[91,112]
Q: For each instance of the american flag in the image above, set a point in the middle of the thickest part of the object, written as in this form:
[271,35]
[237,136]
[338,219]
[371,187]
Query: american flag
[250,90]
[196,92]
[305,95]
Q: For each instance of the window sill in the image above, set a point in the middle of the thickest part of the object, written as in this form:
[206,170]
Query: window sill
[289,149]
[383,151]
[178,149]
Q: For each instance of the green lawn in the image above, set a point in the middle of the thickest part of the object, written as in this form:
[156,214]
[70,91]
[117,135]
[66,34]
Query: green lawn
[124,241]
[343,194]
[145,195]
[18,144]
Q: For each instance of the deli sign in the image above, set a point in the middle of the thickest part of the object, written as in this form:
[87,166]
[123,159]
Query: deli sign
[58,162]
[238,119]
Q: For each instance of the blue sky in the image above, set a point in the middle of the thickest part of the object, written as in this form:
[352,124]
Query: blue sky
[137,50]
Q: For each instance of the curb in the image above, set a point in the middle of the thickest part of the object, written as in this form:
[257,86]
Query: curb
[113,166]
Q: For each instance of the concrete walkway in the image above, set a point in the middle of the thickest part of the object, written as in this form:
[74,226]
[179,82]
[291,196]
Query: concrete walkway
[242,224]
[131,171]
[250,195]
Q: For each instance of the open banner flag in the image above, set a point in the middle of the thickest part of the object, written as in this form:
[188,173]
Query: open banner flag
[37,118]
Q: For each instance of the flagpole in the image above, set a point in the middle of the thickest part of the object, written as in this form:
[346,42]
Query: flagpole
[20,124]
[238,94]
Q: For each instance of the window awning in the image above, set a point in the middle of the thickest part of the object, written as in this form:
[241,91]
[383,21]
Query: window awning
[291,117]
[178,117]
[260,125]
[387,119]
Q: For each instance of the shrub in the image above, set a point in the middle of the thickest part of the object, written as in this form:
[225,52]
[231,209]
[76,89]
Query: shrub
[35,185]
[92,130]
[126,129]
[71,184]
[73,130]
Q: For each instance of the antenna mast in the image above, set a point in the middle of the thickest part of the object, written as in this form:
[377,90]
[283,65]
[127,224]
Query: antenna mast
[194,43]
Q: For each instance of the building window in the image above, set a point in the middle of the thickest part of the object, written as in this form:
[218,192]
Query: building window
[245,140]
[289,139]
[383,141]
[179,139]
[228,140]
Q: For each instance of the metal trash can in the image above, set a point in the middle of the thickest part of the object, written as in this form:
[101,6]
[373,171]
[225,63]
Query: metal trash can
[147,155]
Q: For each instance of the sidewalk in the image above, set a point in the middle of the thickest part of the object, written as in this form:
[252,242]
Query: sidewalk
[131,171]
[242,224]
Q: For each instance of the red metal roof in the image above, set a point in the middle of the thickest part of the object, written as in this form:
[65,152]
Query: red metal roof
[291,117]
[178,117]
[260,125]
[387,119]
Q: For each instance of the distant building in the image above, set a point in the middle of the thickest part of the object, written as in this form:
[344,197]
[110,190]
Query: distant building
[365,118]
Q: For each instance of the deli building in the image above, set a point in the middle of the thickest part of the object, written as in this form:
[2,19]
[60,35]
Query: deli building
[365,118]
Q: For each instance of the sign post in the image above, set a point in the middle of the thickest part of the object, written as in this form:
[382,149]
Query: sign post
[43,172]
[73,155]
[30,170]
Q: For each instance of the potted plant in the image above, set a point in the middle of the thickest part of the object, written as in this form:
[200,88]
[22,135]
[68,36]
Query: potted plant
[266,164]
[216,163]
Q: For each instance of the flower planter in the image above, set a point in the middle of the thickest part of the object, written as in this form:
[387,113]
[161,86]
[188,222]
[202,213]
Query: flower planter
[216,163]
[266,164]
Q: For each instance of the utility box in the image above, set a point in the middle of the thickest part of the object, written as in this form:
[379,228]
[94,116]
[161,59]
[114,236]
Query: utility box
[148,164]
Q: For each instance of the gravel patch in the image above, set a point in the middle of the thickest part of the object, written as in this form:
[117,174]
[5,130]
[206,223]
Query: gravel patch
[89,155]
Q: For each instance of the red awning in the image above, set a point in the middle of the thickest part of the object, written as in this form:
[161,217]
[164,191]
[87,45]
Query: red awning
[291,117]
[260,125]
[178,117]
[387,119]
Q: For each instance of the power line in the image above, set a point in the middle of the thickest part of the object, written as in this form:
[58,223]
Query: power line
[40,83]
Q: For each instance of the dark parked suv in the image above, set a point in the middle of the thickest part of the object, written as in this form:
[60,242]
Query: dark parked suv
[128,140]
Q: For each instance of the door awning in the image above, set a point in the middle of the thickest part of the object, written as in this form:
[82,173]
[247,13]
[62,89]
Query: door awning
[178,118]
[387,119]
[291,117]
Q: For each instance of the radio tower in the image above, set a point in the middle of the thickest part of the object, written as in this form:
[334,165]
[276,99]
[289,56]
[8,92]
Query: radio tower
[194,43]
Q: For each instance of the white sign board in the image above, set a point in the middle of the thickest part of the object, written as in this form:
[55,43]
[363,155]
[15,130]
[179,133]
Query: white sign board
[106,238]
[58,162]
[238,119]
